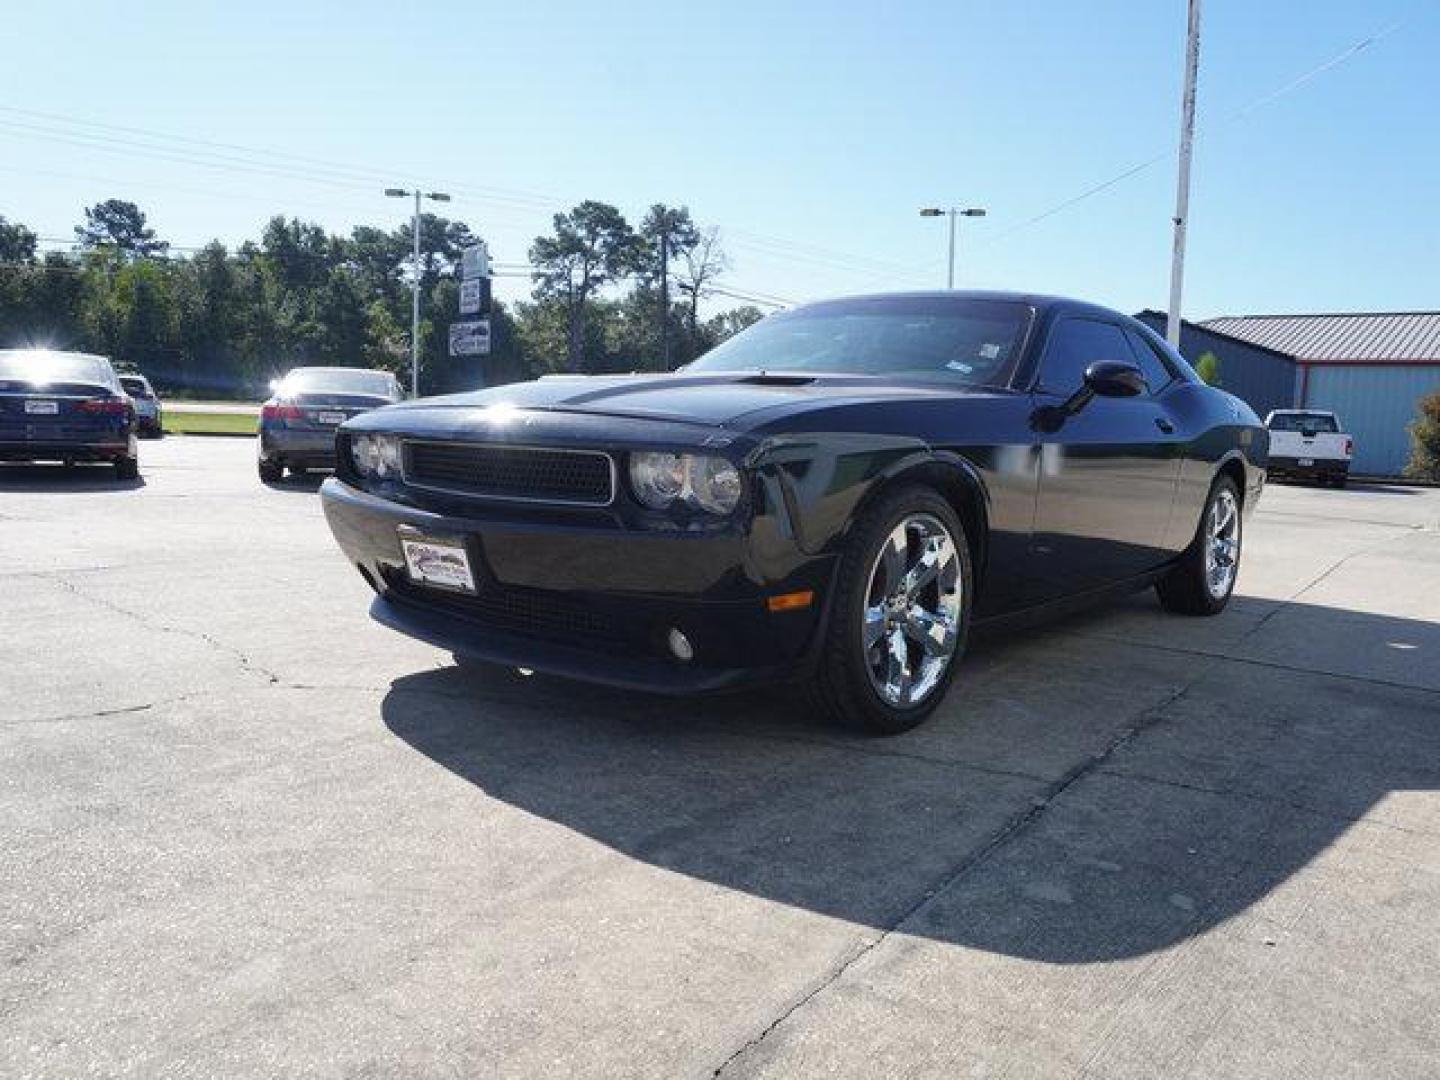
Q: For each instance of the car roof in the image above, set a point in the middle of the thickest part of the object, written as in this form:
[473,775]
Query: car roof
[54,352]
[1039,301]
[337,367]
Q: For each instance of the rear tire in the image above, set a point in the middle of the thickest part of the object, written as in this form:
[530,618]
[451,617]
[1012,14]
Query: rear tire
[127,468]
[270,471]
[916,635]
[1202,582]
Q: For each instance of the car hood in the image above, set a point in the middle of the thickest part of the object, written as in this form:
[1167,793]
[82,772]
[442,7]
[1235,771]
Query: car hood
[729,401]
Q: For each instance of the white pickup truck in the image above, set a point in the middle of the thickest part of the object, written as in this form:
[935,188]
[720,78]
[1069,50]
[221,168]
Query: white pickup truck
[1309,444]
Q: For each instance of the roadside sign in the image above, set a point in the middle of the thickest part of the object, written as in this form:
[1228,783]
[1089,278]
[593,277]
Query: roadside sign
[470,338]
[472,296]
[475,261]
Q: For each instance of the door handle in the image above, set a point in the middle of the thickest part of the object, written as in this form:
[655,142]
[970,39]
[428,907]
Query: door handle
[1164,425]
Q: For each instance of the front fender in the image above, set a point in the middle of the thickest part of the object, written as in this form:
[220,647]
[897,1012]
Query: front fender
[822,482]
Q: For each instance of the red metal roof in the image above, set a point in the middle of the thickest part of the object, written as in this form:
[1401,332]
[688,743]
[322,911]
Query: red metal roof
[1406,337]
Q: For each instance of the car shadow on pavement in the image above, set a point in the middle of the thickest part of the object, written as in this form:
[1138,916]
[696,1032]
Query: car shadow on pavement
[61,478]
[1183,810]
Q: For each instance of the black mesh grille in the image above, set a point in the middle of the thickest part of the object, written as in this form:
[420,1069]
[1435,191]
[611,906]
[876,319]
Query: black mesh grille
[511,472]
[540,613]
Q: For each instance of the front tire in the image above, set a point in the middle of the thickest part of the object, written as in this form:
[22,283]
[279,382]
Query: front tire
[1202,582]
[900,615]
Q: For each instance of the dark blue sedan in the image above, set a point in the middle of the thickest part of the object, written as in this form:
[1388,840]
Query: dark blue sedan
[65,406]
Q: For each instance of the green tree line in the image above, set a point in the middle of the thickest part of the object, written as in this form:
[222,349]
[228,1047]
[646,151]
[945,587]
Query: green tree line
[222,322]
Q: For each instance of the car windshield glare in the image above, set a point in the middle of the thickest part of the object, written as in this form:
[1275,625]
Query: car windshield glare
[941,339]
[338,381]
[42,367]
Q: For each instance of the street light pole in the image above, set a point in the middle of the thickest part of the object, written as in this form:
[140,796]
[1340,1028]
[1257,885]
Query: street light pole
[953,212]
[434,196]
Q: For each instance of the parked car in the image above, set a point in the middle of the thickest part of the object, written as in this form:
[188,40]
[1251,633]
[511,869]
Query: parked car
[67,407]
[297,424]
[835,495]
[1309,444]
[146,402]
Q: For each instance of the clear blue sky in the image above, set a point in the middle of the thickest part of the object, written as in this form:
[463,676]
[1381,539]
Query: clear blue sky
[809,133]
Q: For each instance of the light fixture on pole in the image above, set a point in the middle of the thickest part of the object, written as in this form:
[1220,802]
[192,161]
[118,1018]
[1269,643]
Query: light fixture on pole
[433,196]
[953,212]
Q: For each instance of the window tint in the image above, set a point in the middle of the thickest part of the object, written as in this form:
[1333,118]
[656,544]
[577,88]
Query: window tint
[1298,421]
[1156,373]
[1074,345]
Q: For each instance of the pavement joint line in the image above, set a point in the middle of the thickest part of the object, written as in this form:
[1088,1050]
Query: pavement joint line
[1010,830]
[246,664]
[1268,800]
[1348,521]
[1274,665]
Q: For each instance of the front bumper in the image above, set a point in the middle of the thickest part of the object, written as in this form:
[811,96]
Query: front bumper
[586,599]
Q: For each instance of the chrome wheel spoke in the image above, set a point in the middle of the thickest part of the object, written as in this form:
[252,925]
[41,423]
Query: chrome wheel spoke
[935,555]
[897,668]
[932,632]
[876,621]
[892,559]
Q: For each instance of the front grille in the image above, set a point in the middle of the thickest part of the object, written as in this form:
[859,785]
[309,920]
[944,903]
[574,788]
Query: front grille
[537,613]
[522,473]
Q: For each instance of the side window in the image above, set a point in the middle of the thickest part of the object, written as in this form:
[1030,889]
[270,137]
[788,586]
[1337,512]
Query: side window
[1156,373]
[1074,345]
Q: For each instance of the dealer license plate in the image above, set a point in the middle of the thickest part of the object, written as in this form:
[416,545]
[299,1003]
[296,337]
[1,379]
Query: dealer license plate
[1306,461]
[330,417]
[42,408]
[441,563]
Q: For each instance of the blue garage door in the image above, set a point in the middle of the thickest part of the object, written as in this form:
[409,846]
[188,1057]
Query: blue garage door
[1376,405]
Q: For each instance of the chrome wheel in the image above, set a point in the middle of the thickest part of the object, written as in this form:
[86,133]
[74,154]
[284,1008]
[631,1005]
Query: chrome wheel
[912,610]
[1222,544]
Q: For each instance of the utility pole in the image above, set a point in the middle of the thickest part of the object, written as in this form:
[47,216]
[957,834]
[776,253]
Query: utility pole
[434,196]
[1182,185]
[665,298]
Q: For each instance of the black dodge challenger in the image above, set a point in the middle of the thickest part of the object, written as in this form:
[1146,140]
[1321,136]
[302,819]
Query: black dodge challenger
[834,496]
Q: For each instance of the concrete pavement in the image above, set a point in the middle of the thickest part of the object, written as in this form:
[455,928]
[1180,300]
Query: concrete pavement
[247,832]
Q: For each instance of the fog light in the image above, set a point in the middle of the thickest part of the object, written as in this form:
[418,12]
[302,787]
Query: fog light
[680,645]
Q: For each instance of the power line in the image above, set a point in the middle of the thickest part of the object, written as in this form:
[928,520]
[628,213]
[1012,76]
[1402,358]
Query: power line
[235,156]
[1335,61]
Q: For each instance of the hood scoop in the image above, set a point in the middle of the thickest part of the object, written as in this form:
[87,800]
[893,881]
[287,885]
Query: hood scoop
[765,379]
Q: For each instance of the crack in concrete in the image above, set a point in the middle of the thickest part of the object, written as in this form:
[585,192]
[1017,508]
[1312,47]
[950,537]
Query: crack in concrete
[246,664]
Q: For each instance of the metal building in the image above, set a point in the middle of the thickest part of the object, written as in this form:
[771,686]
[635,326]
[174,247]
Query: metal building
[1263,378]
[1371,369]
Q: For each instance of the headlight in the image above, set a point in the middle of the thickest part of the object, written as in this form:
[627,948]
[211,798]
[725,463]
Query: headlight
[703,481]
[376,457]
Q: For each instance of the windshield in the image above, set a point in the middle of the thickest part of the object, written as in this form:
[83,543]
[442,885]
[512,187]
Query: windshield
[339,381]
[1304,422]
[37,366]
[944,339]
